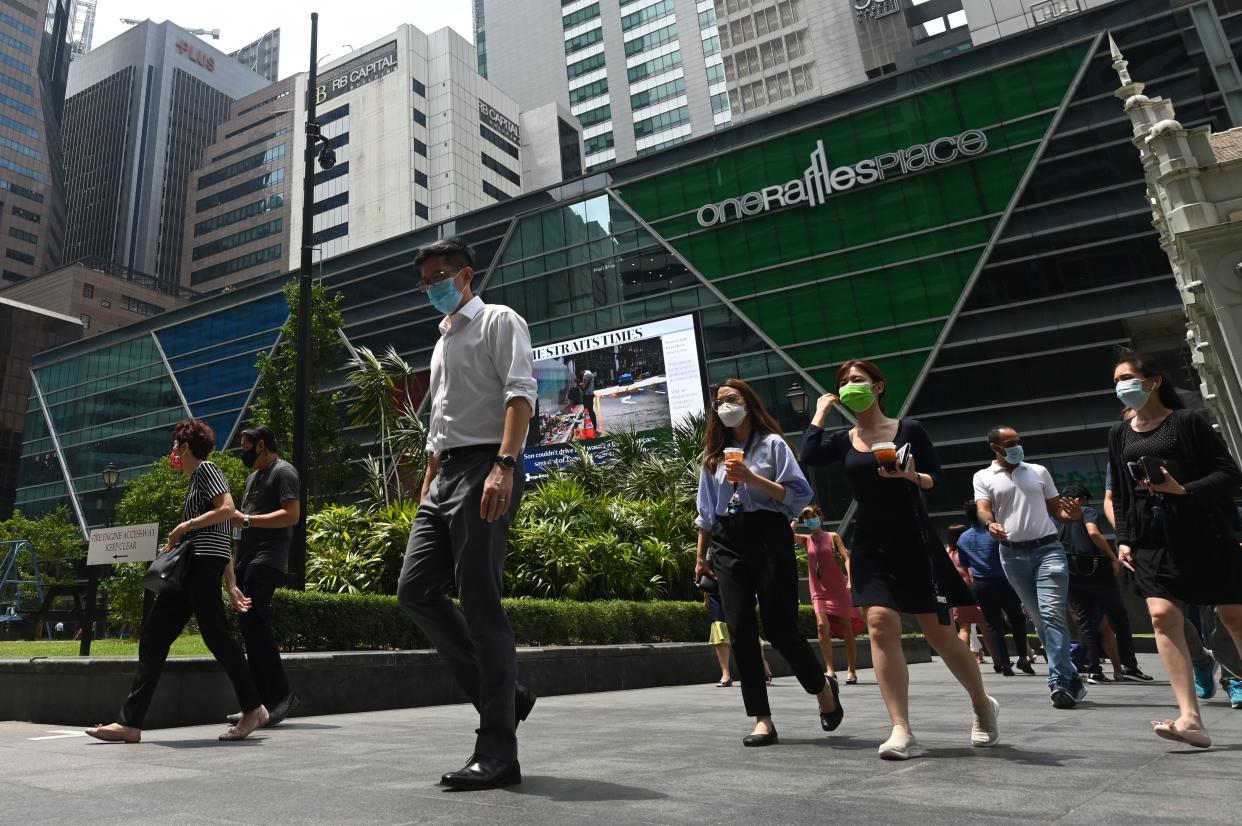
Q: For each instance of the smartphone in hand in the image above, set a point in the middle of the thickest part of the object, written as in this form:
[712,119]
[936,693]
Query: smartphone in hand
[1153,469]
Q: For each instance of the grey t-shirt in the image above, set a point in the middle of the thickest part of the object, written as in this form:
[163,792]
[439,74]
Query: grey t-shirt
[266,491]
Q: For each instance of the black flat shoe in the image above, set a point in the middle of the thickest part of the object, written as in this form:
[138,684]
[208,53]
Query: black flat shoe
[851,680]
[829,720]
[724,684]
[769,739]
[484,773]
[523,703]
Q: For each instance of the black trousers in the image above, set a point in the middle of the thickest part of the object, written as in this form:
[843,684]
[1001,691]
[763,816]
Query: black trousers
[202,598]
[999,602]
[259,582]
[754,562]
[588,404]
[450,542]
[1093,598]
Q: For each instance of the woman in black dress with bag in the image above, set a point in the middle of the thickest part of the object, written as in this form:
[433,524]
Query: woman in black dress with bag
[898,564]
[1173,488]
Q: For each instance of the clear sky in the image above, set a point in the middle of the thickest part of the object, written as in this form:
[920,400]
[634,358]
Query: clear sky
[341,25]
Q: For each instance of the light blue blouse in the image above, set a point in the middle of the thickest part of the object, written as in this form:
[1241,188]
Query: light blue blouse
[771,458]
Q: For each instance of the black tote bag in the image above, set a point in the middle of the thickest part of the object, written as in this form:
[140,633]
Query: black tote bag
[167,573]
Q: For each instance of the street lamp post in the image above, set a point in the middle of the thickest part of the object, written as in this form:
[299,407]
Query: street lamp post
[110,475]
[797,398]
[302,389]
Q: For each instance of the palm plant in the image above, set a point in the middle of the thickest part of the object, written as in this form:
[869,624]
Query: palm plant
[374,404]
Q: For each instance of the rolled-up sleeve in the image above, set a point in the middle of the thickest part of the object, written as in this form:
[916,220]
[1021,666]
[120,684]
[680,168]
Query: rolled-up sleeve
[798,493]
[513,357]
[706,501]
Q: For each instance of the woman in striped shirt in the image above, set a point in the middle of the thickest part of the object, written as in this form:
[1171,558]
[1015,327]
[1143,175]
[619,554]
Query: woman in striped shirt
[205,521]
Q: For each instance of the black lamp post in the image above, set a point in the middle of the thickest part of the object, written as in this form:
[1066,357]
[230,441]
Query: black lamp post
[110,475]
[797,398]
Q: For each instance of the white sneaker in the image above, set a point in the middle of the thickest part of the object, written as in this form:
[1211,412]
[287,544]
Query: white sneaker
[984,731]
[901,745]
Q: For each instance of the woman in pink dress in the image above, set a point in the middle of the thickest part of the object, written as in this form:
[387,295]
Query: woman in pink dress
[830,589]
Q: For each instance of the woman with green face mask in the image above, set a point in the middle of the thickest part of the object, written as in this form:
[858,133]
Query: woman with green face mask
[898,564]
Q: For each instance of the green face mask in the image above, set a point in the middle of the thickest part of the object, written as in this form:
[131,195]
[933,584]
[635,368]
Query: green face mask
[857,396]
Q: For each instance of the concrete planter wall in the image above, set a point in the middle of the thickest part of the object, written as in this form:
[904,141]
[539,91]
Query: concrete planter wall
[194,690]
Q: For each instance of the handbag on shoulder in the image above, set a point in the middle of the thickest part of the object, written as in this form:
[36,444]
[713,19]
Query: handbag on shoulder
[167,573]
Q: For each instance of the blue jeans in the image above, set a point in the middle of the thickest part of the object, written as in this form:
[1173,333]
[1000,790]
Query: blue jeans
[1041,578]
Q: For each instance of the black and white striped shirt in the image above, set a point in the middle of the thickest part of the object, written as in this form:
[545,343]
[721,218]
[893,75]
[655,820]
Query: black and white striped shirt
[206,484]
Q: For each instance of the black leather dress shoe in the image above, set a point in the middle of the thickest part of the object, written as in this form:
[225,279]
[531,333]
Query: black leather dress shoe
[523,703]
[484,773]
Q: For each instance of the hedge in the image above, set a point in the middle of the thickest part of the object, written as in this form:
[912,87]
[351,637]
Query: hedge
[317,621]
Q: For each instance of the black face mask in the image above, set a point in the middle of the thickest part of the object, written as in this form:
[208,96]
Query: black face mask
[249,457]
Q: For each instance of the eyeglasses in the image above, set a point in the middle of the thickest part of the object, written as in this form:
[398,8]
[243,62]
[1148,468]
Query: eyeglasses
[728,400]
[437,277]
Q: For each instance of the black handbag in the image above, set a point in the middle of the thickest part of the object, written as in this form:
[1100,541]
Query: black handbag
[166,574]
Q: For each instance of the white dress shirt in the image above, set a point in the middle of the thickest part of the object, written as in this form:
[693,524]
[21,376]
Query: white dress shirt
[1019,499]
[482,361]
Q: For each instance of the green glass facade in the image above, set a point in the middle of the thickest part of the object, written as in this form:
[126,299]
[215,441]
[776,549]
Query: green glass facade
[990,288]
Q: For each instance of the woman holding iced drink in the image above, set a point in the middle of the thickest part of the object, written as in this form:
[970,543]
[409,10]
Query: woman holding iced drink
[897,562]
[750,487]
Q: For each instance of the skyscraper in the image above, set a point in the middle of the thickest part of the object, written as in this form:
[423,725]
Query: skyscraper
[34,61]
[418,137]
[83,27]
[140,110]
[639,75]
[262,56]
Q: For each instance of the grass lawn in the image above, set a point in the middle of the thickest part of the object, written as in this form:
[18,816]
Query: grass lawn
[187,645]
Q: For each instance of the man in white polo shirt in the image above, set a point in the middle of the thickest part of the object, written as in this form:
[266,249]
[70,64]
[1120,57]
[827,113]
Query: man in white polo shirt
[1018,503]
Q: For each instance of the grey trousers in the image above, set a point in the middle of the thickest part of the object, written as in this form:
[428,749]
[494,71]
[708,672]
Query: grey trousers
[1218,640]
[450,542]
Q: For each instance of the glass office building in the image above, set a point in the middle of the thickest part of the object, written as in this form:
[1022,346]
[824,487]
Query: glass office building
[976,226]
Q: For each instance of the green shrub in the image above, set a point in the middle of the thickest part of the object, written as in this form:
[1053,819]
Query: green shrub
[351,550]
[319,621]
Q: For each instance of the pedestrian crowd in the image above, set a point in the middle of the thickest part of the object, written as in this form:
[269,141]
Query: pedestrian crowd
[1024,551]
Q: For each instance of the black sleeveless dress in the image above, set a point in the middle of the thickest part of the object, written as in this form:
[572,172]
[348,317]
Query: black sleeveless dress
[895,552]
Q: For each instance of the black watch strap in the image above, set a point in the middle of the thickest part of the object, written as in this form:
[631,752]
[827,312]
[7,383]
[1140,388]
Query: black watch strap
[506,461]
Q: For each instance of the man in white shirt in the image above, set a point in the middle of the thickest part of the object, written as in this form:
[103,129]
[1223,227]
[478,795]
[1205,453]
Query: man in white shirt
[481,394]
[1018,503]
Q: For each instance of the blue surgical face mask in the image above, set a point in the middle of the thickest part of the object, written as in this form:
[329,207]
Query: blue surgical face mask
[1132,394]
[444,296]
[1014,455]
[811,524]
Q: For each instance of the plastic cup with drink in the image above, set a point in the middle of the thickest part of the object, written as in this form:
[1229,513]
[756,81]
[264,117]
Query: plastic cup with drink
[730,454]
[885,455]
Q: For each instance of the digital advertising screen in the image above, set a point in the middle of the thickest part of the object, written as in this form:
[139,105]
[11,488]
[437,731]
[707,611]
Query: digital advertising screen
[638,379]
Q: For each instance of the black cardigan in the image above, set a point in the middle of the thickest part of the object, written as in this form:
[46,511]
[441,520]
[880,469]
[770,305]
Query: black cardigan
[1213,475]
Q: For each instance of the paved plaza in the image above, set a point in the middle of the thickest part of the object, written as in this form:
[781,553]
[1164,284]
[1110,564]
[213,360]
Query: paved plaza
[666,755]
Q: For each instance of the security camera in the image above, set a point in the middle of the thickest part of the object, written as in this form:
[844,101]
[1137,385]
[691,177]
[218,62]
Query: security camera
[327,158]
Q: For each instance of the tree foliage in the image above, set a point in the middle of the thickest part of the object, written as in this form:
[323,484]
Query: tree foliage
[329,453]
[56,538]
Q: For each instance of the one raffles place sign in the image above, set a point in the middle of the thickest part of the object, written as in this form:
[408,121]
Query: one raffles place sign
[128,543]
[820,180]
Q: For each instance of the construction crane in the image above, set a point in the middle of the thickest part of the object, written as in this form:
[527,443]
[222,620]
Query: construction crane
[215,33]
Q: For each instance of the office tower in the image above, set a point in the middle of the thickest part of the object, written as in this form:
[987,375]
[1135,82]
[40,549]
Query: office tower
[83,27]
[262,56]
[34,62]
[140,110]
[639,75]
[418,137]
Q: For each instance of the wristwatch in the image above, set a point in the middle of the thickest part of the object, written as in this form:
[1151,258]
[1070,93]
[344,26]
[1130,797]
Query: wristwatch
[245,522]
[507,462]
